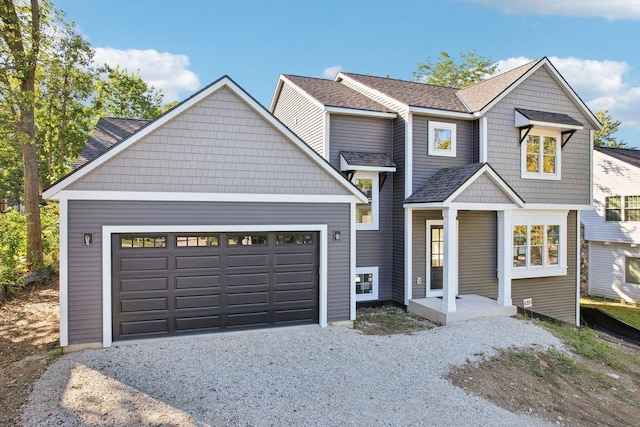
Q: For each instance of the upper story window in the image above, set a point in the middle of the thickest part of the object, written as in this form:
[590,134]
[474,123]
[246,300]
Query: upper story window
[632,208]
[367,213]
[541,155]
[442,139]
[615,210]
[539,245]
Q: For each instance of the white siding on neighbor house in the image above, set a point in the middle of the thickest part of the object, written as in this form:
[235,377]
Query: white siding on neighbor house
[540,92]
[304,117]
[220,145]
[611,177]
[607,264]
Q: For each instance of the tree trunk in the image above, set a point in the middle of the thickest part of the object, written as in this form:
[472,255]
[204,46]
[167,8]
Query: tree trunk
[32,205]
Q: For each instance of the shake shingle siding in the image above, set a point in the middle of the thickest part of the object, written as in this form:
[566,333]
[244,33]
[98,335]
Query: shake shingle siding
[424,164]
[304,117]
[540,92]
[398,211]
[85,263]
[483,190]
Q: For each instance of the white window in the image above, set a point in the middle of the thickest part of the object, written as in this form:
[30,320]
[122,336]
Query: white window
[442,139]
[367,213]
[632,270]
[541,155]
[539,244]
[366,283]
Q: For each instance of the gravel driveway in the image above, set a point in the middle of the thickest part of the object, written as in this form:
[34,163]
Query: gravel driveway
[288,376]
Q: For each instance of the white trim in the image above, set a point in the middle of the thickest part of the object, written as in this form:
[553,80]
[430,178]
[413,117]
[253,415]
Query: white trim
[64,272]
[578,267]
[505,257]
[109,230]
[373,296]
[327,137]
[357,112]
[461,206]
[433,151]
[352,261]
[591,160]
[521,120]
[541,133]
[427,279]
[375,200]
[365,88]
[442,113]
[222,82]
[450,267]
[483,149]
[408,255]
[408,156]
[559,207]
[207,197]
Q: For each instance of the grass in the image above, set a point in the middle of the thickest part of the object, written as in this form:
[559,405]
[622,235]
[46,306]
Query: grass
[389,320]
[625,312]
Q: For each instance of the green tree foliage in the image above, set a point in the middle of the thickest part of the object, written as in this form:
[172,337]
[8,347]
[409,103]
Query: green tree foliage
[605,137]
[447,71]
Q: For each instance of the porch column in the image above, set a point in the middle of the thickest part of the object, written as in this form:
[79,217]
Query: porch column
[505,257]
[450,270]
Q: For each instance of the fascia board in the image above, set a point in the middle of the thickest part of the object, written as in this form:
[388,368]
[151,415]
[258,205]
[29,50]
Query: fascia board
[357,112]
[442,113]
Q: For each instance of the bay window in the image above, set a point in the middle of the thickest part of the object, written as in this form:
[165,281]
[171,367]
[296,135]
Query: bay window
[539,244]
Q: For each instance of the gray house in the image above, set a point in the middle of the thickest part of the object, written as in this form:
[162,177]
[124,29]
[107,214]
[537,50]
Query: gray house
[474,194]
[212,217]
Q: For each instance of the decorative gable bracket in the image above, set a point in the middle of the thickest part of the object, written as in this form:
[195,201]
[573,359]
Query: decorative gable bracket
[568,133]
[527,129]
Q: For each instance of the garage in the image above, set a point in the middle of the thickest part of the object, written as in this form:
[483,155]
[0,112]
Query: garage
[167,284]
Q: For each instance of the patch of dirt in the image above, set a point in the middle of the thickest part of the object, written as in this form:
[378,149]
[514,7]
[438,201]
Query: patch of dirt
[28,340]
[389,320]
[568,390]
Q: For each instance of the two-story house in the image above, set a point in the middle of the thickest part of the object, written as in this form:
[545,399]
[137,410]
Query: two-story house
[612,227]
[474,194]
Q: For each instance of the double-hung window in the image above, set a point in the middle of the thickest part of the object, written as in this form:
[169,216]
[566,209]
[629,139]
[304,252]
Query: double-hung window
[541,155]
[616,210]
[632,208]
[632,270]
[539,245]
[367,213]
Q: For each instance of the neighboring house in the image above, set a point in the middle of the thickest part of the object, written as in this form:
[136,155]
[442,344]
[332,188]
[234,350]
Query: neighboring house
[212,217]
[612,227]
[474,194]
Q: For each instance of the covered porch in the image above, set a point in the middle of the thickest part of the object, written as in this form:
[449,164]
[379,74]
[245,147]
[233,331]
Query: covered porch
[459,245]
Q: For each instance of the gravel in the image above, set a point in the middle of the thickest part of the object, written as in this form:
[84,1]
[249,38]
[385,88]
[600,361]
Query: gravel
[286,376]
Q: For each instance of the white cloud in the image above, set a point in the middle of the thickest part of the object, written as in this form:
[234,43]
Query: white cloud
[609,9]
[165,71]
[331,72]
[601,84]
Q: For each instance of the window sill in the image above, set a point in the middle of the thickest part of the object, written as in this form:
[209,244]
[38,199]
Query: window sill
[365,227]
[442,153]
[531,272]
[540,177]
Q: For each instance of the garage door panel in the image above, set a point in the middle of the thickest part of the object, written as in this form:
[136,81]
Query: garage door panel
[196,282]
[198,301]
[238,320]
[144,284]
[288,259]
[144,327]
[295,316]
[246,299]
[201,323]
[296,295]
[190,262]
[144,264]
[242,279]
[144,304]
[248,260]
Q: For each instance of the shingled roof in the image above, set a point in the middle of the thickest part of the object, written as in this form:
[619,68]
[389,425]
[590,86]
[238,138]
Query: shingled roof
[414,94]
[108,132]
[543,116]
[627,155]
[333,94]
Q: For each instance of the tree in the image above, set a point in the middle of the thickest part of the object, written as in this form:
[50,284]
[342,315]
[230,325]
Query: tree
[469,70]
[604,137]
[22,30]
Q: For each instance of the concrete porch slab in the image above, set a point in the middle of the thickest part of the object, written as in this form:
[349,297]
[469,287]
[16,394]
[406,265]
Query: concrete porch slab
[467,307]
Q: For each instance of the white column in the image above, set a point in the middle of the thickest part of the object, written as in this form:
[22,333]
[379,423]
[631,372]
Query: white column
[450,276]
[484,145]
[505,256]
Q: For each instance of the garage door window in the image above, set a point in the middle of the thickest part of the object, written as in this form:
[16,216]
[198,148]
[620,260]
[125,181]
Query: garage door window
[129,242]
[197,241]
[294,239]
[247,239]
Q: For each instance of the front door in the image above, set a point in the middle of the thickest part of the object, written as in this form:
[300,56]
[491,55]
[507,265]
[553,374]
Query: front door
[435,257]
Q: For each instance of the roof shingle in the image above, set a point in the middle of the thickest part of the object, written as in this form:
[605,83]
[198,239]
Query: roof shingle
[625,154]
[544,116]
[443,184]
[355,158]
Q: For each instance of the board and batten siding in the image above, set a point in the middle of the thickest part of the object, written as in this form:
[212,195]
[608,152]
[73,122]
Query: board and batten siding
[554,297]
[424,164]
[304,117]
[397,294]
[85,263]
[540,92]
[372,135]
[607,271]
[220,145]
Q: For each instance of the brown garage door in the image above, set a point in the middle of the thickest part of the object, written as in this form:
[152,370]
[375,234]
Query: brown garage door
[180,283]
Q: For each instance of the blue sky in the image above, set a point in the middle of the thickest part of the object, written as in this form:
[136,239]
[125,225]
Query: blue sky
[181,46]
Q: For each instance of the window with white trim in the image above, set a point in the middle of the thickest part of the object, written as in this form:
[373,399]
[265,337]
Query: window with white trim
[540,155]
[539,245]
[367,213]
[616,211]
[442,139]
[366,283]
[632,270]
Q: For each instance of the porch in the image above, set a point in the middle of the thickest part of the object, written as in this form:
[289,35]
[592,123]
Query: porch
[468,307]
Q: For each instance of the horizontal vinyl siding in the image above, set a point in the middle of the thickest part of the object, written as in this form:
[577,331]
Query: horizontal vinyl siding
[475,141]
[304,117]
[419,248]
[398,211]
[220,145]
[365,134]
[553,296]
[425,165]
[477,253]
[540,92]
[607,265]
[85,263]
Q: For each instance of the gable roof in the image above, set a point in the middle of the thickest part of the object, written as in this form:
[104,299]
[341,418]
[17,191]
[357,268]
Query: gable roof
[108,132]
[333,94]
[626,155]
[224,81]
[447,184]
